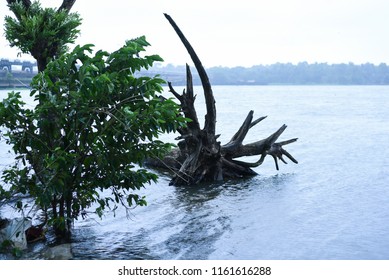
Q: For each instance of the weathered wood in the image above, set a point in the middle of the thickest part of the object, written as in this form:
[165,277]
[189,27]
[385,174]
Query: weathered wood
[200,157]
[210,118]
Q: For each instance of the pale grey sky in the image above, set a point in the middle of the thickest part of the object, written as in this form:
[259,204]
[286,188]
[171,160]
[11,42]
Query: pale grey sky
[243,32]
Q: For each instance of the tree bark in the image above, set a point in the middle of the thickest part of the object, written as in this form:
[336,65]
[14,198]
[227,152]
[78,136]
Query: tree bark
[200,157]
[67,5]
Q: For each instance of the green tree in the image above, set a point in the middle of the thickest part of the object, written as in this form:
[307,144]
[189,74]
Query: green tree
[107,121]
[96,119]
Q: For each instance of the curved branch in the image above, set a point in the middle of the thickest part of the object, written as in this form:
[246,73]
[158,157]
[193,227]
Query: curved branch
[251,164]
[200,156]
[210,118]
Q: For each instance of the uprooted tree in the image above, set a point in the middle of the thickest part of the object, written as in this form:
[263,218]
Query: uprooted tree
[200,157]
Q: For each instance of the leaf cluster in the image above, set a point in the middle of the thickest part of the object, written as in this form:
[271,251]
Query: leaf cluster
[43,32]
[96,122]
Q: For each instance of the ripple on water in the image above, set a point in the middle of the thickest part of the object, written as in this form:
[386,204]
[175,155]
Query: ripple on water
[332,205]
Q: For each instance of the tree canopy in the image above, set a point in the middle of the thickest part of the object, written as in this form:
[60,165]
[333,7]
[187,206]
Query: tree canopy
[42,32]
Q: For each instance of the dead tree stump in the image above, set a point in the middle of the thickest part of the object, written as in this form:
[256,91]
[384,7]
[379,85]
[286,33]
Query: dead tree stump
[200,157]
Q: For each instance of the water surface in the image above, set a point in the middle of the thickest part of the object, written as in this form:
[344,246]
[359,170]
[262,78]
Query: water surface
[333,205]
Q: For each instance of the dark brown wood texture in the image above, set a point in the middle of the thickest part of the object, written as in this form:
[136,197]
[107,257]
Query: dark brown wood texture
[200,156]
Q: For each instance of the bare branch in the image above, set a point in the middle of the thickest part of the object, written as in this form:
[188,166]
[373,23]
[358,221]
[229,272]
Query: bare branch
[283,143]
[273,138]
[257,121]
[289,156]
[239,136]
[67,5]
[210,118]
[189,83]
[187,103]
[242,132]
[200,155]
[251,164]
[175,93]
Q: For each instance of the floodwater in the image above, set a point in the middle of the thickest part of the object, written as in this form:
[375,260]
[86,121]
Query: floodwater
[333,205]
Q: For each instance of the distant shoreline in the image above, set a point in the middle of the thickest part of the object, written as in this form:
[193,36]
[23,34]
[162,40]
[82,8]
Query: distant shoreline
[15,79]
[269,85]
[281,74]
[274,74]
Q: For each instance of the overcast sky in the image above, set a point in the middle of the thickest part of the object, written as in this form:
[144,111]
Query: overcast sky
[238,32]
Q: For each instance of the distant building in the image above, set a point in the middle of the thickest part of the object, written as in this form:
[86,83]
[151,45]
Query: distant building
[17,66]
[16,73]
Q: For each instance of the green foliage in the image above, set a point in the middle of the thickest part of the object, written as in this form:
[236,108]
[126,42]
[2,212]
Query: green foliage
[96,122]
[43,33]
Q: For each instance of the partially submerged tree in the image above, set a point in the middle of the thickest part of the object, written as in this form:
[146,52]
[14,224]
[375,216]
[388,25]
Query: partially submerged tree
[106,120]
[95,122]
[96,118]
[200,156]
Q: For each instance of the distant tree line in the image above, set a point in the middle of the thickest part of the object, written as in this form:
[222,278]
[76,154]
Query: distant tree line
[302,73]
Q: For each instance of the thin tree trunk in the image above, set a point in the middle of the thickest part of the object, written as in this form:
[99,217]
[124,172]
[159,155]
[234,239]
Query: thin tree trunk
[44,51]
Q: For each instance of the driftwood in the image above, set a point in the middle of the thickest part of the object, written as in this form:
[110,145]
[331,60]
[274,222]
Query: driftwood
[200,157]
